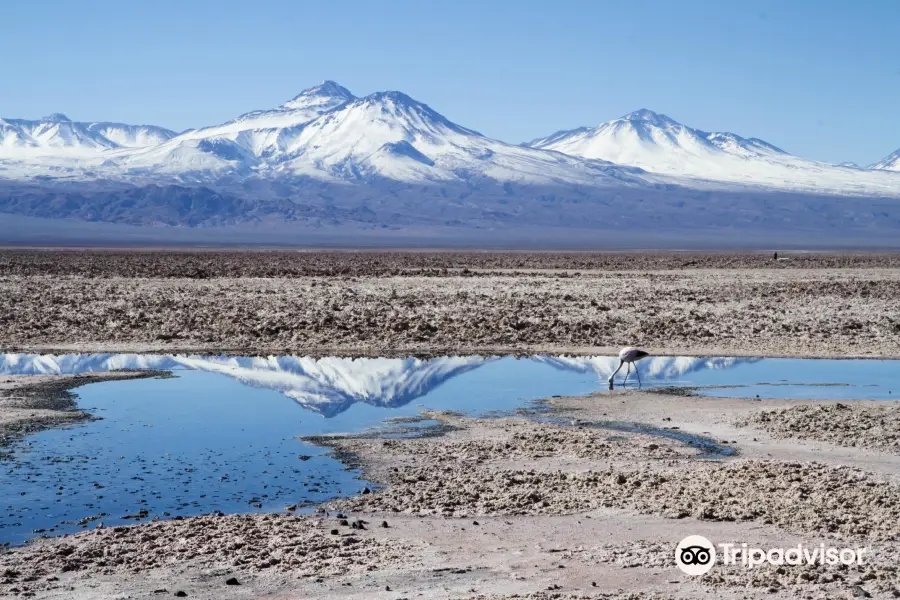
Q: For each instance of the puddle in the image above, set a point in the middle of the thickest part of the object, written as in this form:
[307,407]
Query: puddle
[225,433]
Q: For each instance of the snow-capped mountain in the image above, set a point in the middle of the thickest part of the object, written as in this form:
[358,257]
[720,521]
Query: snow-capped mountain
[327,386]
[649,137]
[659,144]
[891,162]
[327,134]
[383,162]
[57,133]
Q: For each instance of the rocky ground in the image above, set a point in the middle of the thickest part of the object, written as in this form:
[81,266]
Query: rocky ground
[429,303]
[302,547]
[845,424]
[588,503]
[201,264]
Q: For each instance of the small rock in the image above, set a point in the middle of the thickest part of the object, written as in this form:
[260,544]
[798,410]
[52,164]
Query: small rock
[181,594]
[232,581]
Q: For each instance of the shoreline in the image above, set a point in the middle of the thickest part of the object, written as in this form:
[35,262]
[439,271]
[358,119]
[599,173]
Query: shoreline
[32,403]
[415,352]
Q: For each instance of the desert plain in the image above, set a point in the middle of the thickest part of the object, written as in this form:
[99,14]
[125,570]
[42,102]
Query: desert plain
[510,507]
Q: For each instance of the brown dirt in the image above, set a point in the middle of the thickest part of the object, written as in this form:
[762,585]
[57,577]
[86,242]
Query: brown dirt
[303,547]
[204,264]
[844,424]
[462,477]
[136,301]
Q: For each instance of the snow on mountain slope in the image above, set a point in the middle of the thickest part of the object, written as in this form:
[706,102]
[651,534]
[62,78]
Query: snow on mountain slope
[237,146]
[659,144]
[390,135]
[890,162]
[59,134]
[327,386]
[132,136]
[301,109]
[328,134]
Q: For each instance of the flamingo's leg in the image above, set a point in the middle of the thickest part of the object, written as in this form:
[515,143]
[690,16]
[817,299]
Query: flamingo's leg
[638,375]
[626,373]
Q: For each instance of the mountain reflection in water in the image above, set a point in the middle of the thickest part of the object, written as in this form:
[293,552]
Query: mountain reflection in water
[331,385]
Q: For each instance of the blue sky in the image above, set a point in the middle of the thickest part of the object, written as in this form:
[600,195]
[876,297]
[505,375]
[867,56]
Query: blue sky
[820,79]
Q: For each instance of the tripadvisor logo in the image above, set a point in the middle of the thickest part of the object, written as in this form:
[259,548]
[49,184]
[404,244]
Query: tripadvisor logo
[696,555]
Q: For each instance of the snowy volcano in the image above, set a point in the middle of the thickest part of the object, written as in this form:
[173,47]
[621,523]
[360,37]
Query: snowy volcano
[659,144]
[327,134]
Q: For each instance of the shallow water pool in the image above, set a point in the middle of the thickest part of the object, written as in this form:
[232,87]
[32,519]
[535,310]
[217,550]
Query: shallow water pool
[223,434]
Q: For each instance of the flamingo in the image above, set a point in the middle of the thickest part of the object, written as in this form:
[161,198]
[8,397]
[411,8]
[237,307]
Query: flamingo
[629,355]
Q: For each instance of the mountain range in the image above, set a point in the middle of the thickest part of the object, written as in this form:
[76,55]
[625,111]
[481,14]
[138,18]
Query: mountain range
[57,133]
[329,161]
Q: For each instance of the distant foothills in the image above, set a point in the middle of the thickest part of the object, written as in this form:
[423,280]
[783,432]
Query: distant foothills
[330,167]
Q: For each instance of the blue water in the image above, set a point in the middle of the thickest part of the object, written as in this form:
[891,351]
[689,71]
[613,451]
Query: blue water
[820,379]
[201,442]
[224,433]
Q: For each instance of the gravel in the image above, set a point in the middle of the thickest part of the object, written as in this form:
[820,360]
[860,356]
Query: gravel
[710,311]
[842,423]
[253,543]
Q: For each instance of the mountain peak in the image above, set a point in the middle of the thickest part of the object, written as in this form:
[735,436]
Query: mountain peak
[328,88]
[645,114]
[322,97]
[325,96]
[57,118]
